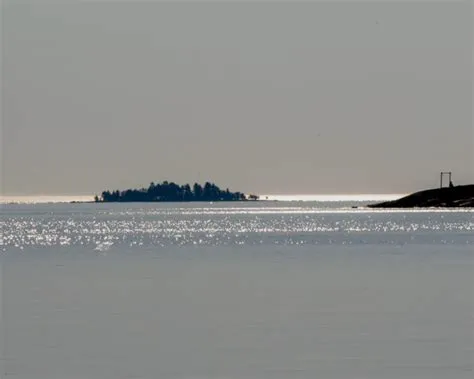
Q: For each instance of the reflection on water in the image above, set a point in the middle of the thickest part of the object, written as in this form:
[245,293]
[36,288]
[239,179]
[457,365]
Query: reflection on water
[254,290]
[103,226]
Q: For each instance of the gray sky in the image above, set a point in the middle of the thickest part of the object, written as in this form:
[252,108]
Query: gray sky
[314,97]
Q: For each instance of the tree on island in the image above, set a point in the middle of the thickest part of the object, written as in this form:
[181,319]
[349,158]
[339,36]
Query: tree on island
[169,191]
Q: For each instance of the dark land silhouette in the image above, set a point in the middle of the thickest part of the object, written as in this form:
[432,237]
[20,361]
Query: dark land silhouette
[448,197]
[172,192]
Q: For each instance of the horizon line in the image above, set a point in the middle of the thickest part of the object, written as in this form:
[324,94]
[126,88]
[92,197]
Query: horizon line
[5,199]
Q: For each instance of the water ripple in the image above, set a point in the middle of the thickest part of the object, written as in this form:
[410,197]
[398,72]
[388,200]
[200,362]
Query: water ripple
[102,228]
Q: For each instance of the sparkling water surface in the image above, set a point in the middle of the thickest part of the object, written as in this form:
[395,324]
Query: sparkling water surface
[237,290]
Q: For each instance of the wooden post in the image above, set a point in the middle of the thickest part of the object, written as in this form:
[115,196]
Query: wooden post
[441,178]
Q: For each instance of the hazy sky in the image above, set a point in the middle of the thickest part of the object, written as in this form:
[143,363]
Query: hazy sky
[311,97]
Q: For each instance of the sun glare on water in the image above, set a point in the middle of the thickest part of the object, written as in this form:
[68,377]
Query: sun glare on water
[335,198]
[43,199]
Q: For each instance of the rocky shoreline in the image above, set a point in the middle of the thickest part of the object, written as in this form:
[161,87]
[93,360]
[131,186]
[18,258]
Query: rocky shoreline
[447,197]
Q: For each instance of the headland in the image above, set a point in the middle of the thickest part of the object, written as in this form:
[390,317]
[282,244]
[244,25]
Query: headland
[446,197]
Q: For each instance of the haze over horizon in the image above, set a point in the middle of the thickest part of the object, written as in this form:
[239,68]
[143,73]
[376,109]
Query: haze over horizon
[270,98]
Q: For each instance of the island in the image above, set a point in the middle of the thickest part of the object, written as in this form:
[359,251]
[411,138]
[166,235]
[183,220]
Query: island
[445,197]
[172,192]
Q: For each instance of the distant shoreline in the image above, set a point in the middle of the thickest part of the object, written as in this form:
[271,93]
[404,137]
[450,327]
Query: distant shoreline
[422,199]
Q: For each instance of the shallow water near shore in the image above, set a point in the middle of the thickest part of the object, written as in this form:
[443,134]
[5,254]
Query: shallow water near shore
[239,290]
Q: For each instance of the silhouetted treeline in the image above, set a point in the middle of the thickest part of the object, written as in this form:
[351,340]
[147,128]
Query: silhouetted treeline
[173,192]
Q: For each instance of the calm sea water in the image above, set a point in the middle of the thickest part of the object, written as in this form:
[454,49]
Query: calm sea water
[234,291]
